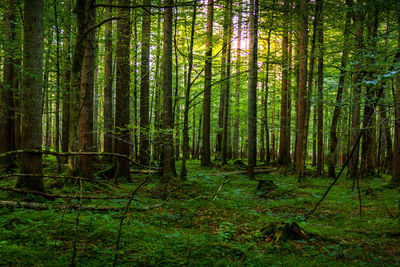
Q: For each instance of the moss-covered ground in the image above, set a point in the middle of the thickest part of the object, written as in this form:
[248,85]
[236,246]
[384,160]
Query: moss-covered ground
[195,228]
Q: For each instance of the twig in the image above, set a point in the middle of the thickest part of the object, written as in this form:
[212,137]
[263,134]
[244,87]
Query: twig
[145,182]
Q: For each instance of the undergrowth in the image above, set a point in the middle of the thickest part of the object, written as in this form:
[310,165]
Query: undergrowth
[197,226]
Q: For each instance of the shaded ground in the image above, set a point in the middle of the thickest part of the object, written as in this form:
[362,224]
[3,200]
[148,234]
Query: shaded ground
[193,229]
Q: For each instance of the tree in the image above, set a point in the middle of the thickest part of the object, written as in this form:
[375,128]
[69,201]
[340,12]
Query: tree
[108,80]
[252,88]
[185,142]
[333,139]
[7,112]
[301,98]
[168,153]
[206,154]
[284,156]
[144,153]
[237,87]
[320,33]
[86,100]
[122,91]
[31,105]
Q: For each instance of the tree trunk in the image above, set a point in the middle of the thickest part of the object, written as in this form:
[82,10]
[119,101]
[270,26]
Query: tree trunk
[252,88]
[333,139]
[122,91]
[206,153]
[168,154]
[82,9]
[284,157]
[302,88]
[237,88]
[266,82]
[144,153]
[66,77]
[396,144]
[227,98]
[355,115]
[320,155]
[7,112]
[85,131]
[31,108]
[185,143]
[108,81]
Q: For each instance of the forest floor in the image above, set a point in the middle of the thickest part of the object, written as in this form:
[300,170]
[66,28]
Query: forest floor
[205,224]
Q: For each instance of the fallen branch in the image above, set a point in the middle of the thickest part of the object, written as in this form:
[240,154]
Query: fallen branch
[53,196]
[58,177]
[256,171]
[40,206]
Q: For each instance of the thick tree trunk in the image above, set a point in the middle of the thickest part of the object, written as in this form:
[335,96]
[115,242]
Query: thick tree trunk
[333,139]
[82,9]
[31,108]
[108,81]
[252,88]
[122,110]
[85,130]
[206,153]
[302,88]
[144,152]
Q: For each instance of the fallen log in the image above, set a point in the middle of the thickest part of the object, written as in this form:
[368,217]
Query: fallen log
[54,196]
[40,206]
[256,171]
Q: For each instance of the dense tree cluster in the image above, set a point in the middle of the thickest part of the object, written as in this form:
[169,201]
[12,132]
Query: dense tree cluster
[115,83]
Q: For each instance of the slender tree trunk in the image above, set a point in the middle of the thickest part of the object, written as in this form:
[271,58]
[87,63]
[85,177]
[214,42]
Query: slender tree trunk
[333,139]
[135,81]
[320,155]
[122,91]
[355,116]
[185,143]
[66,77]
[284,157]
[396,144]
[7,110]
[237,88]
[168,154]
[144,152]
[252,87]
[206,153]
[108,81]
[31,108]
[86,101]
[266,82]
[58,74]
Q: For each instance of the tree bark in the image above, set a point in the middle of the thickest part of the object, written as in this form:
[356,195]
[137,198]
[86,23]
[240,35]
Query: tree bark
[284,157]
[206,153]
[168,154]
[252,88]
[108,81]
[31,108]
[320,155]
[237,88]
[85,130]
[7,111]
[122,142]
[144,153]
[185,142]
[302,88]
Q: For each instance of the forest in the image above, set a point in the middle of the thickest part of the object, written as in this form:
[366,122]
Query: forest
[200,132]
